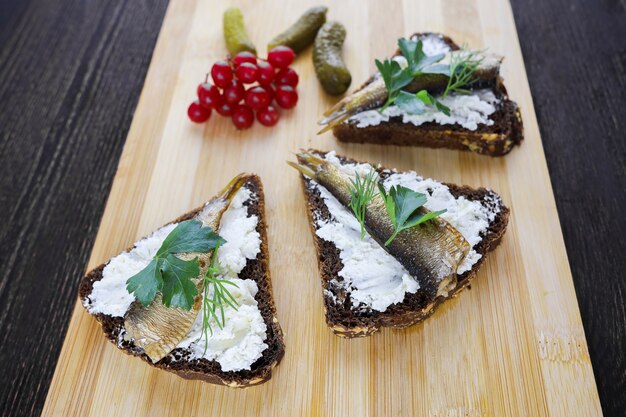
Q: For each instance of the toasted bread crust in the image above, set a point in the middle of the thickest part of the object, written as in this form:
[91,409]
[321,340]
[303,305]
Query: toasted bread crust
[346,322]
[507,133]
[496,140]
[205,370]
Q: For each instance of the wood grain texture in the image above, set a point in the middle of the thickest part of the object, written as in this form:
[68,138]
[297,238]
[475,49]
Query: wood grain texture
[586,154]
[66,69]
[524,357]
[67,104]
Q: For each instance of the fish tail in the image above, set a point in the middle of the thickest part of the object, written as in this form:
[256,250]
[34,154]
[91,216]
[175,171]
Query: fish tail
[338,107]
[233,186]
[308,164]
[307,172]
[372,95]
[332,121]
[310,159]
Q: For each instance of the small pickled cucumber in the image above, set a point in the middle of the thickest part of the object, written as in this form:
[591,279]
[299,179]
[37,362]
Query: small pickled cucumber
[302,33]
[329,66]
[235,33]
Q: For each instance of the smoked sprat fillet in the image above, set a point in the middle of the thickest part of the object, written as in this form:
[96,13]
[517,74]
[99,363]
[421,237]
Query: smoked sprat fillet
[158,329]
[431,251]
[354,311]
[255,273]
[499,137]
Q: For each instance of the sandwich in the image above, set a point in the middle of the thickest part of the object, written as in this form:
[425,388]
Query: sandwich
[194,297]
[391,245]
[435,94]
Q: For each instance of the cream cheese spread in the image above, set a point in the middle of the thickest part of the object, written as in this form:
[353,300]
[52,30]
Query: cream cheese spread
[470,218]
[467,110]
[242,340]
[373,278]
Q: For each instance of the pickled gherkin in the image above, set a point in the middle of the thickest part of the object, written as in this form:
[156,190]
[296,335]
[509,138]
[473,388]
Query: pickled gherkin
[235,33]
[302,33]
[330,69]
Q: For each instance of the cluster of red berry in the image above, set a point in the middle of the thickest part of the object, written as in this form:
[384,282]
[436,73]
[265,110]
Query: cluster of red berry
[273,79]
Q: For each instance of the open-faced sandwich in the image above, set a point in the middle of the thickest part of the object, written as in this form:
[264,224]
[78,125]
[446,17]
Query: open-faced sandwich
[435,94]
[194,297]
[393,245]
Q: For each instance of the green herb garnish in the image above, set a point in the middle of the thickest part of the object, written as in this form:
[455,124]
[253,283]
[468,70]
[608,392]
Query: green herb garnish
[403,207]
[460,73]
[428,99]
[395,79]
[170,275]
[463,65]
[407,102]
[418,62]
[362,191]
[221,297]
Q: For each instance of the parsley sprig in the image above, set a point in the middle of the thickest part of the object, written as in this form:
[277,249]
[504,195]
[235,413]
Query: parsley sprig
[460,73]
[221,297]
[401,203]
[395,78]
[171,276]
[362,191]
[403,207]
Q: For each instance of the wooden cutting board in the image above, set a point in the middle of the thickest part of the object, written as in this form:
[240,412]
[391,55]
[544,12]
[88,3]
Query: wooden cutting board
[511,346]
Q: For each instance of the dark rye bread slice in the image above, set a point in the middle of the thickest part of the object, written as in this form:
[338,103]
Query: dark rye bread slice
[342,318]
[495,140]
[203,369]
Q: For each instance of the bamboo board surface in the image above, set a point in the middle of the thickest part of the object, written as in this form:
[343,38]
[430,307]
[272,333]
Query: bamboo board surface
[511,346]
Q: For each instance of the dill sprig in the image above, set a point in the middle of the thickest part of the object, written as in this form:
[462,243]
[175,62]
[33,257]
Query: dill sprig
[362,191]
[221,297]
[463,66]
[403,205]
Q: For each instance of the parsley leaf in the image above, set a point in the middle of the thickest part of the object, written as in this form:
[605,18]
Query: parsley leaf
[170,275]
[412,51]
[430,100]
[460,73]
[189,236]
[147,282]
[406,203]
[395,78]
[416,58]
[403,207]
[416,103]
[178,288]
[410,103]
[442,69]
[419,217]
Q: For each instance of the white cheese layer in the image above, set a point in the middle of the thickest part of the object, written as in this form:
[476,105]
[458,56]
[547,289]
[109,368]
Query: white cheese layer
[374,278]
[433,44]
[466,110]
[371,275]
[109,295]
[470,218]
[241,342]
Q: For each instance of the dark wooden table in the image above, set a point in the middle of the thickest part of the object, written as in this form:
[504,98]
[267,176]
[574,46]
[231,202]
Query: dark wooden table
[70,77]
